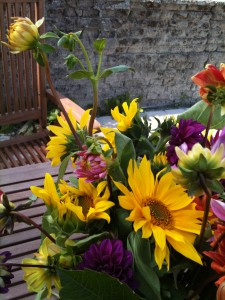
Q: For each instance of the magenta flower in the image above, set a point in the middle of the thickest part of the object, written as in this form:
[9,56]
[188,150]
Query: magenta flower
[184,136]
[110,257]
[5,273]
[90,166]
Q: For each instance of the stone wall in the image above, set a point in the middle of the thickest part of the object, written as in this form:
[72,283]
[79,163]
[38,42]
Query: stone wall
[166,41]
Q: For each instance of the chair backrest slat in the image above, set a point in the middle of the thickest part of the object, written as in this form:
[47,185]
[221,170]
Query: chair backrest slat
[22,85]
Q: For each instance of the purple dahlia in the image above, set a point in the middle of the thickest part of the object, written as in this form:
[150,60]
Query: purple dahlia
[110,257]
[5,273]
[188,133]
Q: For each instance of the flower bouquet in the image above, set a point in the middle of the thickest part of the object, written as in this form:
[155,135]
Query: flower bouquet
[143,216]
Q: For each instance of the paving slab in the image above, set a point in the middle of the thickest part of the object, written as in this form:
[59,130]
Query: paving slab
[108,121]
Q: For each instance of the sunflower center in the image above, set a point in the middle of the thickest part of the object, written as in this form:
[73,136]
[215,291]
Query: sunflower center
[85,202]
[160,214]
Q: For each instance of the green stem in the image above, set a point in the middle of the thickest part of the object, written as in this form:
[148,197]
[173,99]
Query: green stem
[161,144]
[26,265]
[59,103]
[95,106]
[108,142]
[84,52]
[209,124]
[29,221]
[206,210]
[99,65]
[109,184]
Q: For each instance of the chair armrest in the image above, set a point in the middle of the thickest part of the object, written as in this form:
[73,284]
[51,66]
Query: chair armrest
[69,104]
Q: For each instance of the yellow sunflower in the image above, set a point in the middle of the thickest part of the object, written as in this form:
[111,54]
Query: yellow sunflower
[86,202]
[58,145]
[125,120]
[162,209]
[38,278]
[51,197]
[89,202]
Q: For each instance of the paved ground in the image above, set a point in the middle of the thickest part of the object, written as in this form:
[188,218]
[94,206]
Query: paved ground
[107,121]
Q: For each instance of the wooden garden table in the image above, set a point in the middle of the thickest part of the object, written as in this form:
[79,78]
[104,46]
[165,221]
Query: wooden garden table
[25,240]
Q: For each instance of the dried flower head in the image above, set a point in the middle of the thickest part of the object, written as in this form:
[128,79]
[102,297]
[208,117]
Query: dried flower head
[5,273]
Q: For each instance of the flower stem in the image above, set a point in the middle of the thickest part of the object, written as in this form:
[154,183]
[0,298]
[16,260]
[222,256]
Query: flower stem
[95,105]
[84,52]
[29,221]
[108,142]
[206,210]
[209,124]
[59,103]
[26,265]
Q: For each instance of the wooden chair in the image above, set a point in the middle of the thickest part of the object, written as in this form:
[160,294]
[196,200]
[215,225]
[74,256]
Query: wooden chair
[23,94]
[22,91]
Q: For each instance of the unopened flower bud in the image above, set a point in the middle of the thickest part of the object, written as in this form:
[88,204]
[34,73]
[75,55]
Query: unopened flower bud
[23,34]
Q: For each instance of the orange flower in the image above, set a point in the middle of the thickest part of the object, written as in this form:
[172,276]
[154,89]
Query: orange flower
[218,256]
[212,85]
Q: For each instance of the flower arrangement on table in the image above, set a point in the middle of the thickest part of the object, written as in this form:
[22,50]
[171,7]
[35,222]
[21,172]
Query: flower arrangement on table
[143,216]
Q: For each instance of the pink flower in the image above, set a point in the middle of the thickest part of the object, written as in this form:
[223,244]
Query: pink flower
[90,166]
[1,196]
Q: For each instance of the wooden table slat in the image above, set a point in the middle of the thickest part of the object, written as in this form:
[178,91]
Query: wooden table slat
[25,240]
[28,172]
[14,239]
[24,249]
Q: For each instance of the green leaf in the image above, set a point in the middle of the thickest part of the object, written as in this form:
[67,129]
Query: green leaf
[38,57]
[80,74]
[49,224]
[49,35]
[124,226]
[125,150]
[116,172]
[71,61]
[117,69]
[63,41]
[215,186]
[42,294]
[145,147]
[202,163]
[47,48]
[200,112]
[63,167]
[82,245]
[99,45]
[143,266]
[89,285]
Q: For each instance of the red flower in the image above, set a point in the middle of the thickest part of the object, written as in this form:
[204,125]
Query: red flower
[209,80]
[218,256]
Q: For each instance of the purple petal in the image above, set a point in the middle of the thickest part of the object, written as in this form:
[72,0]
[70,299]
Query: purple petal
[218,208]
